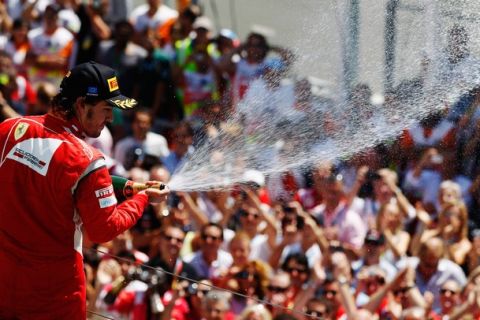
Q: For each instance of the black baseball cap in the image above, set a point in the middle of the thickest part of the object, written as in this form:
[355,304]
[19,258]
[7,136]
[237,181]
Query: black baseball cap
[92,79]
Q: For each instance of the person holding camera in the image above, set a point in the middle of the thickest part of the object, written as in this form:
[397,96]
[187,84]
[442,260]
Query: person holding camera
[94,28]
[338,220]
[55,186]
[142,138]
[253,59]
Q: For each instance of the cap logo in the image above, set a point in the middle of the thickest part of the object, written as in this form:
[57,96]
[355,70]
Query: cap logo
[125,104]
[92,91]
[112,84]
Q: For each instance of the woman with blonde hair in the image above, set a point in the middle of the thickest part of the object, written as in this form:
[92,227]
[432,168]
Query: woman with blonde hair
[390,222]
[255,312]
[452,227]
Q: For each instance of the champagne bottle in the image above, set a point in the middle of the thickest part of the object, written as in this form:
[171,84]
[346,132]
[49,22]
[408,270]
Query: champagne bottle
[129,188]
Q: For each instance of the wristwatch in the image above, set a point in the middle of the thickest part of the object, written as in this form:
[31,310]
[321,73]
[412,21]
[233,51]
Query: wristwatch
[342,280]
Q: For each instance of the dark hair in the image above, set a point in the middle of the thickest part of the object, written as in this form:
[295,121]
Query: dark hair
[321,300]
[212,224]
[284,316]
[142,110]
[164,229]
[42,94]
[126,255]
[298,257]
[19,23]
[64,105]
[185,125]
[192,12]
[5,54]
[124,24]
[260,37]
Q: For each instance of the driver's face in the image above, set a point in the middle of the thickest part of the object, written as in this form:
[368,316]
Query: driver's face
[93,118]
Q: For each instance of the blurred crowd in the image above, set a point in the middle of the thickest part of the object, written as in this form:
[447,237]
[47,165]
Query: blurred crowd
[390,233]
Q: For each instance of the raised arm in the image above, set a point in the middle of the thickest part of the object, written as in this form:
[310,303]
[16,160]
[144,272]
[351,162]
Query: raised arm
[196,214]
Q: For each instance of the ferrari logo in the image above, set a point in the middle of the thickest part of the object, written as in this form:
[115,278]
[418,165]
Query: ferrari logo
[20,130]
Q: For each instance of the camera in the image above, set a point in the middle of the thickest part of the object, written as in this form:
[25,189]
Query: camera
[174,200]
[372,176]
[288,220]
[288,209]
[156,280]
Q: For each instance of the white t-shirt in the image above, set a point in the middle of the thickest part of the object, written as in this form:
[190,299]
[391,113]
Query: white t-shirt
[58,44]
[104,142]
[141,21]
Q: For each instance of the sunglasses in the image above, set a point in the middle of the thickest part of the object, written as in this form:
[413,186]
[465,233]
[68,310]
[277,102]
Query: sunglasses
[314,313]
[375,280]
[277,289]
[202,293]
[170,238]
[245,214]
[444,291]
[401,291]
[373,242]
[330,292]
[242,275]
[298,270]
[207,236]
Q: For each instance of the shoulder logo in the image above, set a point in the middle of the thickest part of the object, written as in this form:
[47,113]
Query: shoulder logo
[112,84]
[20,130]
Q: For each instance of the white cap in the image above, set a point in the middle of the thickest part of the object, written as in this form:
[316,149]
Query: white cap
[203,22]
[255,176]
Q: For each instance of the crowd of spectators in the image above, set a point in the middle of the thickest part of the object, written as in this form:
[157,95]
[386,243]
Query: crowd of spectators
[390,233]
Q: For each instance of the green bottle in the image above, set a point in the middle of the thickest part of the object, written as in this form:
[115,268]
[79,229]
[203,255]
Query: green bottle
[130,188]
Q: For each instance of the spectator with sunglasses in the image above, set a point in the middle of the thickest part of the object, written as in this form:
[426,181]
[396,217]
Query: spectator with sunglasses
[404,295]
[279,292]
[209,261]
[330,292]
[449,297]
[250,281]
[369,280]
[168,255]
[431,268]
[257,223]
[296,265]
[317,308]
[373,254]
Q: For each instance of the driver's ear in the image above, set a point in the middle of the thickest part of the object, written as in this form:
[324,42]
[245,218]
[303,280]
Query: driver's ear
[79,105]
[80,102]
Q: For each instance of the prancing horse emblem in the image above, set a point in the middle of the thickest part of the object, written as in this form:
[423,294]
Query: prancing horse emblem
[20,130]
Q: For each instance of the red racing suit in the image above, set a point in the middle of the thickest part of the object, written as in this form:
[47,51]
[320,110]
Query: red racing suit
[52,184]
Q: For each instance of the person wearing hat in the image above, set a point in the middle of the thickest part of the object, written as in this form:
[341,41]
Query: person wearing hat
[53,187]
